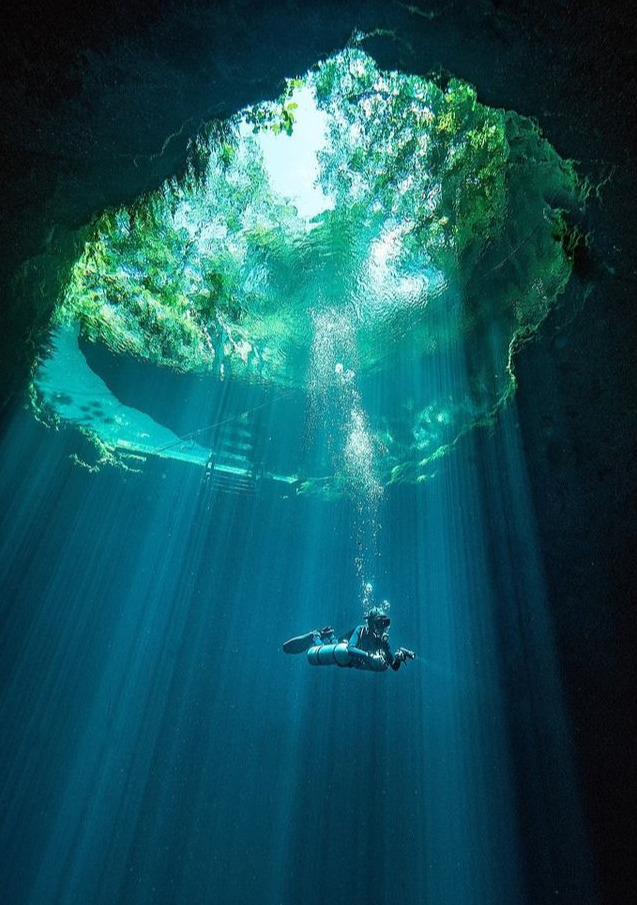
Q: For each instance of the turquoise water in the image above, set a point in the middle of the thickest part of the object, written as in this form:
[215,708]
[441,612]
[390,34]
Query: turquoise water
[155,744]
[269,396]
[159,747]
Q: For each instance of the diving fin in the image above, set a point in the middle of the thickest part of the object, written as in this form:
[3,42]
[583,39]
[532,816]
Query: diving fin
[300,644]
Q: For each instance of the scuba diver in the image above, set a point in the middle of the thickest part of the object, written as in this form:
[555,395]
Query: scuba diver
[365,647]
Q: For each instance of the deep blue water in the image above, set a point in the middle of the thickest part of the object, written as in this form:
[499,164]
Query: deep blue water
[157,746]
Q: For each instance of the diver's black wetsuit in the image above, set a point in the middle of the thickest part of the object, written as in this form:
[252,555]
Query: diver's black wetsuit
[363,642]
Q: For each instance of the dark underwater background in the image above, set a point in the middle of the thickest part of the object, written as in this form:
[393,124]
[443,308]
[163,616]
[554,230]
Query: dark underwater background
[156,746]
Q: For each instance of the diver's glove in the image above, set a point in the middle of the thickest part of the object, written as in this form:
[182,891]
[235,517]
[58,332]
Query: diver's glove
[325,632]
[403,654]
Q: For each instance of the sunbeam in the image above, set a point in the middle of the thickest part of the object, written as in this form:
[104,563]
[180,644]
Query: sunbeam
[279,389]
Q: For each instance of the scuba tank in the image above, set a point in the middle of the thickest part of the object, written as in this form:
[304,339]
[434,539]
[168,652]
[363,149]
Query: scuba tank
[329,655]
[338,655]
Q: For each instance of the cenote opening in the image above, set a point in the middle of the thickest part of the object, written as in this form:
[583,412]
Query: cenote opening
[305,360]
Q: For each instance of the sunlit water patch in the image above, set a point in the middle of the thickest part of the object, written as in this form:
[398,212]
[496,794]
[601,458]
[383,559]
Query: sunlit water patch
[420,219]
